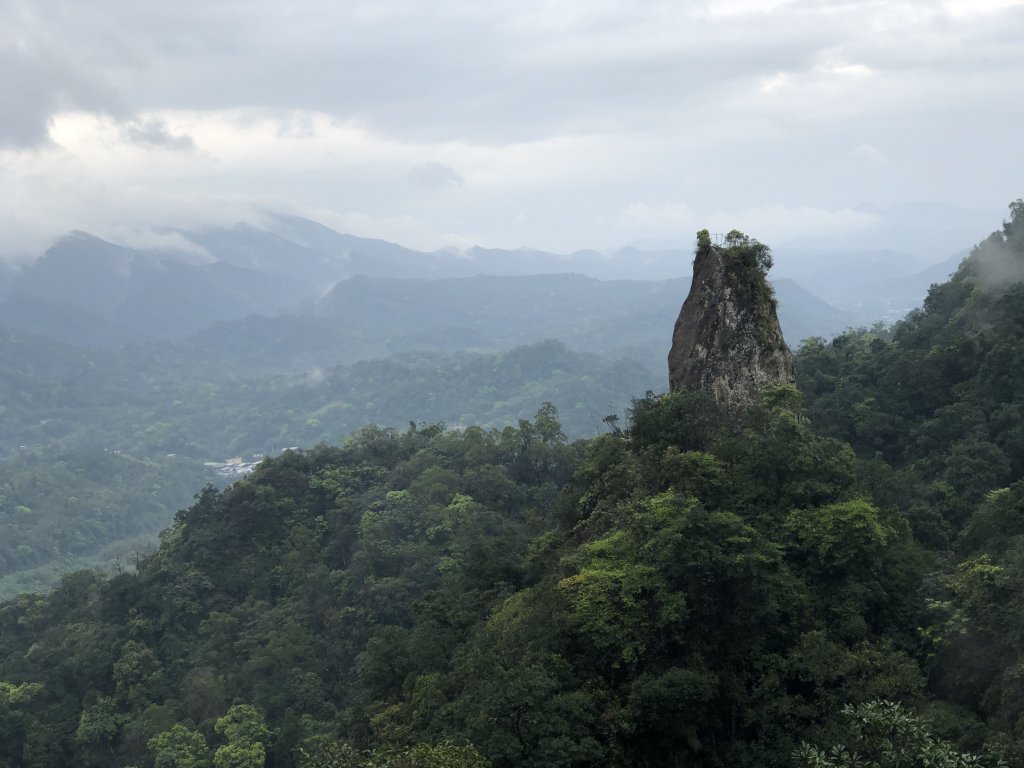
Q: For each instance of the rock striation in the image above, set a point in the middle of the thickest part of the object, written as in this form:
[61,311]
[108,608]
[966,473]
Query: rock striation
[727,339]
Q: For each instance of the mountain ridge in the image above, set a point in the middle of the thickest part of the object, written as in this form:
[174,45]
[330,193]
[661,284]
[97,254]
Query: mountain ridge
[281,275]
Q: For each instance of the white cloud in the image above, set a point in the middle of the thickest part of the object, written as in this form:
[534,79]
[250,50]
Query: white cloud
[848,70]
[151,239]
[659,219]
[778,223]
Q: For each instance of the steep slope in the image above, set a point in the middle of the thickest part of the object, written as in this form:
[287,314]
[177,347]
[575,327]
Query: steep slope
[938,397]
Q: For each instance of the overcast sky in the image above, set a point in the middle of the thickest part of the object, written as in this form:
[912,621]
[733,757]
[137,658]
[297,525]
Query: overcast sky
[560,124]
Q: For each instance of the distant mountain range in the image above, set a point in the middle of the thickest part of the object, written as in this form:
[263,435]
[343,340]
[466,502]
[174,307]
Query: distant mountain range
[297,294]
[867,286]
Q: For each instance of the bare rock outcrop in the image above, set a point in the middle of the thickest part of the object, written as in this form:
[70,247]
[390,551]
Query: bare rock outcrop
[727,340]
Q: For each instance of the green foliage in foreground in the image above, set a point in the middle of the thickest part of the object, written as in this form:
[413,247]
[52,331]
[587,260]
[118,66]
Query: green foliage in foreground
[881,734]
[306,593]
[332,754]
[678,593]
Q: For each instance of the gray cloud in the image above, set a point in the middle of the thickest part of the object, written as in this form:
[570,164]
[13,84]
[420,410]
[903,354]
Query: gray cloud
[35,85]
[501,71]
[45,72]
[154,133]
[26,100]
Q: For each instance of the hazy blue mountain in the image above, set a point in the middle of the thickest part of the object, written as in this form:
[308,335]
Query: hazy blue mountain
[890,299]
[599,315]
[802,314]
[303,249]
[86,272]
[183,298]
[7,275]
[843,277]
[366,318]
[368,256]
[868,286]
[224,294]
[486,313]
[85,290]
[298,247]
[63,321]
[905,293]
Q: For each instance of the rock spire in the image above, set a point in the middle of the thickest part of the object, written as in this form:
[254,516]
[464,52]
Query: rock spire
[727,339]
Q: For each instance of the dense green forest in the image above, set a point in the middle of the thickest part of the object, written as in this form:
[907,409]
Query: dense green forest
[99,448]
[834,579]
[58,396]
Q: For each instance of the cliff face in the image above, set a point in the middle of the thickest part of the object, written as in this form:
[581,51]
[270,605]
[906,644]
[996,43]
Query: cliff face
[727,339]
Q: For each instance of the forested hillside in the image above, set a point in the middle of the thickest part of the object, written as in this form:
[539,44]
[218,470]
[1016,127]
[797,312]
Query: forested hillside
[686,589]
[936,401]
[100,448]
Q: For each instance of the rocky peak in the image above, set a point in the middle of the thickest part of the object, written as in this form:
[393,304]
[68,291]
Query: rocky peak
[727,339]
